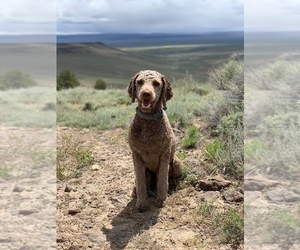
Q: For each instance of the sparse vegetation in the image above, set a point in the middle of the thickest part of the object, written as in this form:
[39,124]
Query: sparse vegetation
[30,107]
[109,108]
[16,79]
[228,223]
[285,224]
[272,117]
[72,158]
[272,124]
[223,113]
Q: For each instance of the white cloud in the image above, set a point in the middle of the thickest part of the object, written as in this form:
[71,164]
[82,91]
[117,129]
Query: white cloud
[272,15]
[27,17]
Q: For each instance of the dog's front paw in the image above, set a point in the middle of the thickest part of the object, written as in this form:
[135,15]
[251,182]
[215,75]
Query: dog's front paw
[142,206]
[160,203]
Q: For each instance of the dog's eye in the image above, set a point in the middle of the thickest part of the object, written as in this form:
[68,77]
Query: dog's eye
[140,82]
[156,83]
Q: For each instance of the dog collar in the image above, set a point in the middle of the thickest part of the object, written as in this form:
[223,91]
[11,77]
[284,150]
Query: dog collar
[150,116]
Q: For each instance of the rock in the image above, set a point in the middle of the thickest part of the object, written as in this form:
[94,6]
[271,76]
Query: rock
[27,211]
[95,238]
[5,240]
[89,181]
[215,183]
[232,195]
[95,167]
[60,239]
[258,183]
[88,225]
[68,189]
[296,189]
[241,190]
[209,196]
[18,189]
[282,195]
[73,209]
[253,195]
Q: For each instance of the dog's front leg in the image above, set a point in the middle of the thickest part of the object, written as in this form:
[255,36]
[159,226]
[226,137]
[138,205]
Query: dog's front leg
[140,182]
[162,180]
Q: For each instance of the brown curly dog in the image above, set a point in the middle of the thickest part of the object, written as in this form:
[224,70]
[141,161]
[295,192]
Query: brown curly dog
[151,137]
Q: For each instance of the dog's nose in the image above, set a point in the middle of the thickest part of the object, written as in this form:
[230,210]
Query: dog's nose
[146,94]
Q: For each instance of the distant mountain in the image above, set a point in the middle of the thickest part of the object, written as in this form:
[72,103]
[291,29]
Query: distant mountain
[97,60]
[34,38]
[133,40]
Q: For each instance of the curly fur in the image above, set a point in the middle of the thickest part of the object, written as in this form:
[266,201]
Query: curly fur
[152,142]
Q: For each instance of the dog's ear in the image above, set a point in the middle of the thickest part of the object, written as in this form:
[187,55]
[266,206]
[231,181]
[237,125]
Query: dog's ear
[167,91]
[131,88]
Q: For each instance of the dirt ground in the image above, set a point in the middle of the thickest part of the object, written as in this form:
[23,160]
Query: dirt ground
[28,189]
[96,210]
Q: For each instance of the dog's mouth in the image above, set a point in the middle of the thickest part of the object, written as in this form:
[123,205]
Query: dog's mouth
[146,104]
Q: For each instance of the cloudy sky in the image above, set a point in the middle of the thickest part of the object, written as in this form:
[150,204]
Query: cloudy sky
[27,17]
[147,16]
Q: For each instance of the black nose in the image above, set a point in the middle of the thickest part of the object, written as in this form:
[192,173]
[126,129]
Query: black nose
[146,94]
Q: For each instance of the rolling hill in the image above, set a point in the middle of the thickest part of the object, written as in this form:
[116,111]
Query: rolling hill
[116,66]
[97,60]
[36,59]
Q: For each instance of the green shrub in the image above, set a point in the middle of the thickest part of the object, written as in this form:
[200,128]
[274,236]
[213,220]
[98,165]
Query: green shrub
[285,224]
[100,84]
[228,156]
[254,147]
[229,77]
[187,176]
[214,149]
[67,79]
[228,96]
[232,228]
[229,125]
[278,122]
[49,106]
[191,138]
[16,79]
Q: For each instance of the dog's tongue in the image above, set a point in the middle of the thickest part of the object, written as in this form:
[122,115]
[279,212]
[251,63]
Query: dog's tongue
[146,104]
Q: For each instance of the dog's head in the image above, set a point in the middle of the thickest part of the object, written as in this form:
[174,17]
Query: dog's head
[151,89]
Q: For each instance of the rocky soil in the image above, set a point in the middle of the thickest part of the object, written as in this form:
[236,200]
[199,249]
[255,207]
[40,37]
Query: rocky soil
[95,210]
